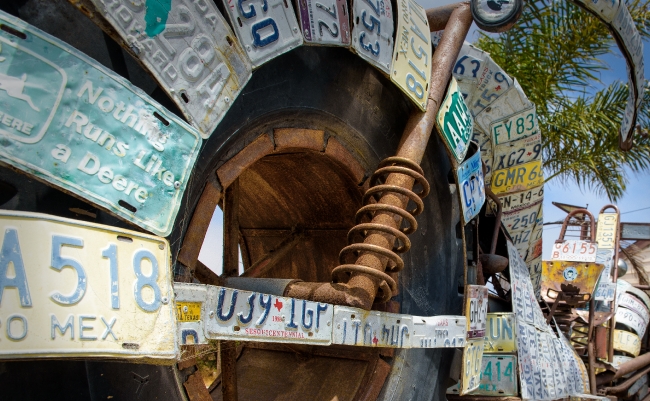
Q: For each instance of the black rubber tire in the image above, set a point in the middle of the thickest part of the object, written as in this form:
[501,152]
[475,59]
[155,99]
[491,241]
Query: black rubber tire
[320,88]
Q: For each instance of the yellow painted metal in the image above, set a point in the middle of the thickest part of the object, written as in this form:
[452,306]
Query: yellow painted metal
[188,311]
[77,289]
[411,68]
[606,230]
[579,275]
[517,178]
[500,333]
[627,342]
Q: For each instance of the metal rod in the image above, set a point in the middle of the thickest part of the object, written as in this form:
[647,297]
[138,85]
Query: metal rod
[623,387]
[231,230]
[628,367]
[590,347]
[361,290]
[610,355]
[228,351]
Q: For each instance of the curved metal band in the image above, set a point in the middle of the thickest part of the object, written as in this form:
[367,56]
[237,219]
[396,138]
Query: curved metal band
[363,227]
[398,263]
[628,342]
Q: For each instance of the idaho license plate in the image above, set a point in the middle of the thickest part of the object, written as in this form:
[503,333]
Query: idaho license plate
[71,122]
[412,53]
[83,290]
[372,33]
[191,51]
[325,22]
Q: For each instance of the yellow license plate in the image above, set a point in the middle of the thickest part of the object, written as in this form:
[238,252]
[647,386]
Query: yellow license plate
[412,52]
[76,289]
[517,178]
[606,230]
[500,333]
[627,342]
[557,274]
[188,311]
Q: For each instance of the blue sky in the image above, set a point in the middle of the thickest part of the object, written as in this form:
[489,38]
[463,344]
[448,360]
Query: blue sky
[636,197]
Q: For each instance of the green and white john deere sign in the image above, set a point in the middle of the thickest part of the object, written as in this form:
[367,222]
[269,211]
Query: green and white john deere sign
[69,121]
[454,122]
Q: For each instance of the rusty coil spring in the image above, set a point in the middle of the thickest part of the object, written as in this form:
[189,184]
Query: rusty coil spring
[365,214]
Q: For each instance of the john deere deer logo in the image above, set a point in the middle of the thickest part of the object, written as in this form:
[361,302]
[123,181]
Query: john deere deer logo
[14,88]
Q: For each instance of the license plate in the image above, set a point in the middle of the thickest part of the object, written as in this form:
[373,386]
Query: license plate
[515,127]
[252,316]
[605,291]
[471,366]
[521,219]
[353,326]
[524,296]
[547,389]
[575,251]
[517,152]
[520,200]
[476,304]
[190,327]
[511,102]
[471,186]
[606,230]
[78,126]
[498,376]
[500,336]
[325,22]
[517,178]
[84,290]
[189,49]
[632,320]
[624,286]
[372,32]
[604,9]
[627,342]
[632,303]
[619,360]
[454,122]
[412,53]
[635,231]
[265,29]
[643,381]
[483,80]
[582,275]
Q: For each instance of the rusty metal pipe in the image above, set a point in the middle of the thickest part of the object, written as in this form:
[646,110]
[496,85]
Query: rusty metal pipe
[361,290]
[623,387]
[591,352]
[439,16]
[635,364]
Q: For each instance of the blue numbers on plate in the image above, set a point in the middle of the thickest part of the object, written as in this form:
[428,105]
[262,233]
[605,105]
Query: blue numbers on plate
[265,31]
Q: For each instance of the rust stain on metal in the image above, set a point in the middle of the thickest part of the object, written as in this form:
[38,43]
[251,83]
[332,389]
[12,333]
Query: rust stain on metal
[196,390]
[569,277]
[602,339]
[376,383]
[228,370]
[257,149]
[291,138]
[198,227]
[337,151]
